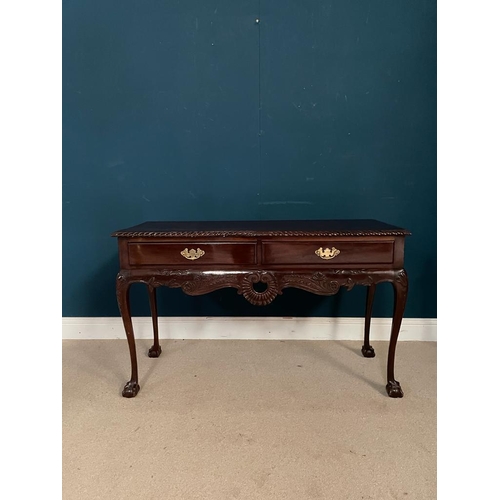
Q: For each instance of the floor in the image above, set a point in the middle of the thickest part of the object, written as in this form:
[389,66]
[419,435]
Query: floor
[241,419]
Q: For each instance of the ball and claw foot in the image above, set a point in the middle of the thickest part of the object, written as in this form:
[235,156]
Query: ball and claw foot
[368,351]
[394,389]
[131,389]
[154,352]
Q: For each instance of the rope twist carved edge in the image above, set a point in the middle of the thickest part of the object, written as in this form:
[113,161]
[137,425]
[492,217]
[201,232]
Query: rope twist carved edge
[254,234]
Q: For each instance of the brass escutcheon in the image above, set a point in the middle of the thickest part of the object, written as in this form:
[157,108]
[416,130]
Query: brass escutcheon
[192,254]
[327,253]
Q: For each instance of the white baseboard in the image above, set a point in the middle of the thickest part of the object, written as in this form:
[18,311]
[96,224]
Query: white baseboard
[261,328]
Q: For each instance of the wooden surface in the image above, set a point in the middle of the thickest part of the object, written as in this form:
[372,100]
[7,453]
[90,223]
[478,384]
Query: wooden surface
[263,228]
[260,259]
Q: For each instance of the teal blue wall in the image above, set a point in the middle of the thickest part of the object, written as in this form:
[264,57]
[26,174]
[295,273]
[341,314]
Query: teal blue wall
[190,110]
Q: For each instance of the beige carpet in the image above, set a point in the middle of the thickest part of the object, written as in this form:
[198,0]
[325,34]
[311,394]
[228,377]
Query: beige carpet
[236,419]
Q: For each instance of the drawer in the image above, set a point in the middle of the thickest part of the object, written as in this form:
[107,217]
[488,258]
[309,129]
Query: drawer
[328,252]
[190,253]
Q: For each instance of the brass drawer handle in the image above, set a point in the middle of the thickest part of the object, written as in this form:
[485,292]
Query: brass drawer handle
[327,253]
[192,254]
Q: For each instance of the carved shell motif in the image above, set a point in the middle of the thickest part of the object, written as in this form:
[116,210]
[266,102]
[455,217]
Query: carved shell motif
[259,298]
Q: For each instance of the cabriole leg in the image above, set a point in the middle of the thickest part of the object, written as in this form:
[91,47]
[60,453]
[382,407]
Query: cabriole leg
[155,350]
[122,294]
[400,285]
[367,349]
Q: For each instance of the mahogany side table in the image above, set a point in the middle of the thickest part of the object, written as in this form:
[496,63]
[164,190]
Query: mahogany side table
[318,256]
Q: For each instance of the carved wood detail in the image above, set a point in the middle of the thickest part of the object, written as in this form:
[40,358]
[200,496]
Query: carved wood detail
[211,234]
[194,283]
[402,278]
[320,283]
[259,298]
[328,283]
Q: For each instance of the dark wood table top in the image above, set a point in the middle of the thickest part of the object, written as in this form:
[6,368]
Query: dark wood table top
[333,227]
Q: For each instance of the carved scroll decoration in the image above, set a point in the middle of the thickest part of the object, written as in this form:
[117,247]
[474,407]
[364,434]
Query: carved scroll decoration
[320,283]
